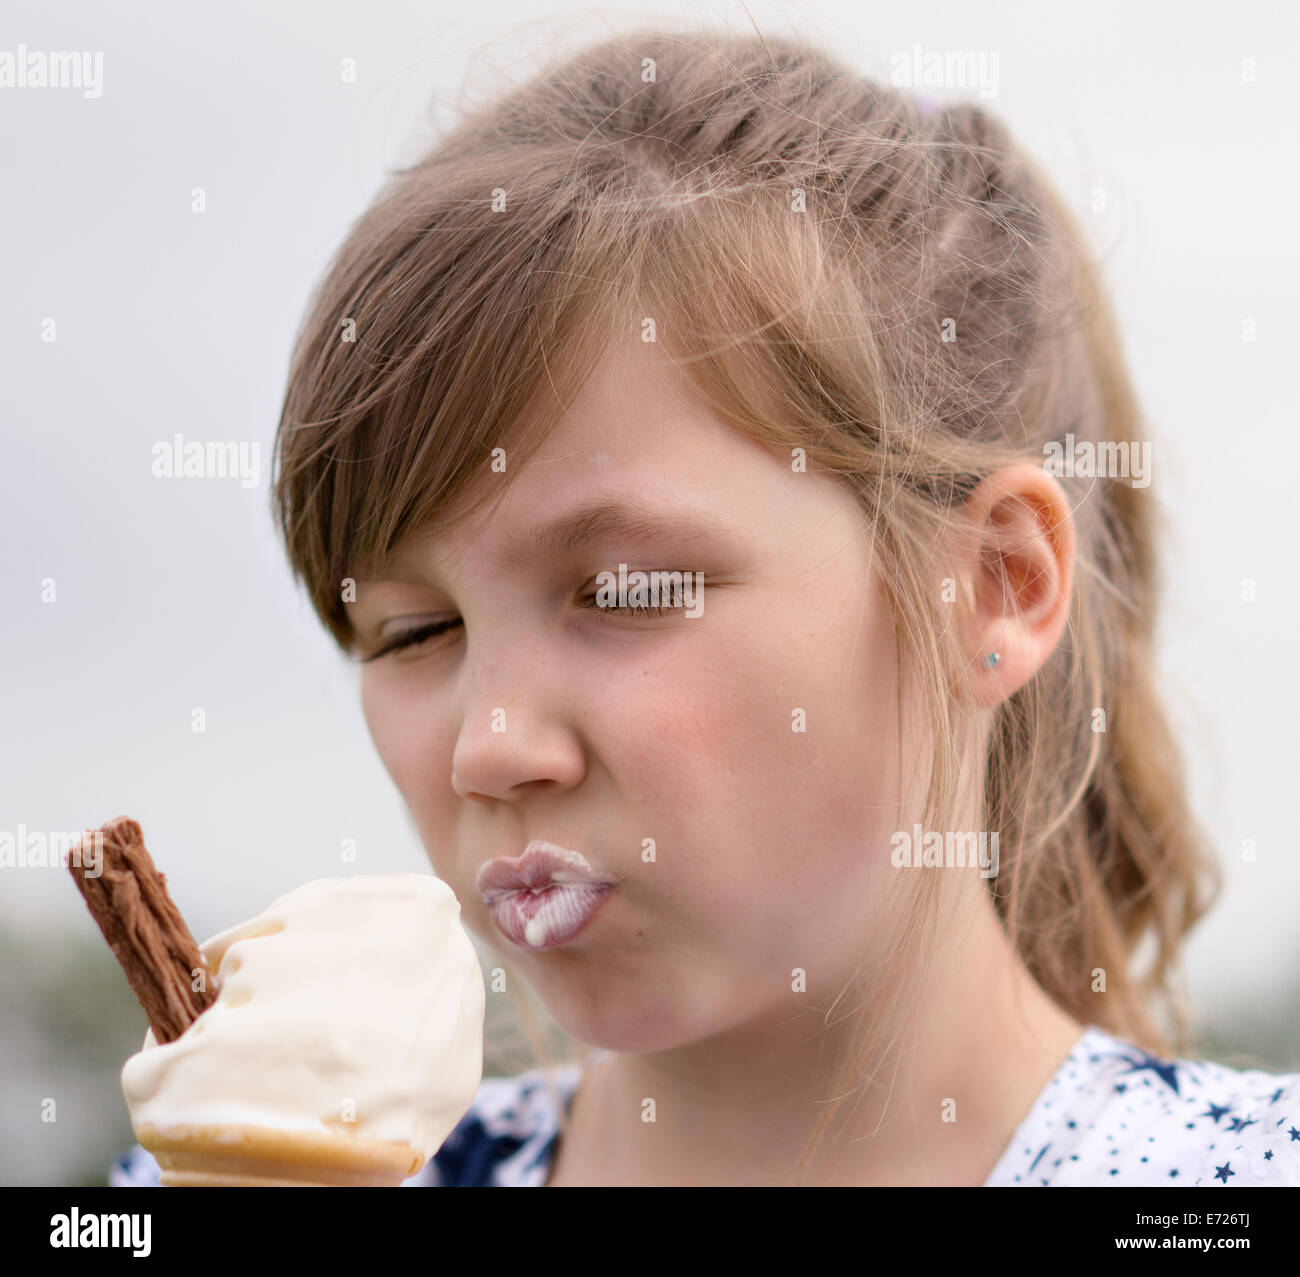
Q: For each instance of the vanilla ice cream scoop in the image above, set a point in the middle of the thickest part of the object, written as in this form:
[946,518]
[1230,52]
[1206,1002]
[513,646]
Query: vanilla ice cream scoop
[351,1006]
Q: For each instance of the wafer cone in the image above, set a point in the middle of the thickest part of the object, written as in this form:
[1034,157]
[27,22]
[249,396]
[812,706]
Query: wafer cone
[249,1156]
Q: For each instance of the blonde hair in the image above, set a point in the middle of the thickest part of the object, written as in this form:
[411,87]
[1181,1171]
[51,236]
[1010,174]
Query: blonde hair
[896,290]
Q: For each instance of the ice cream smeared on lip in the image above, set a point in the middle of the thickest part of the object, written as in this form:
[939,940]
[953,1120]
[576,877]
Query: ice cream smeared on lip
[544,897]
[349,1006]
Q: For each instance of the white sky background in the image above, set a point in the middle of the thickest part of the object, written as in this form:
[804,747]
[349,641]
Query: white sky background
[172,595]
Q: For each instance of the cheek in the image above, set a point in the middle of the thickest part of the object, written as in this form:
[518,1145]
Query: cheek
[404,729]
[700,747]
[676,726]
[706,739]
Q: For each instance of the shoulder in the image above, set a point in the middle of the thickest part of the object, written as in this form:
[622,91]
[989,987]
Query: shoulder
[507,1137]
[1114,1114]
[136,1168]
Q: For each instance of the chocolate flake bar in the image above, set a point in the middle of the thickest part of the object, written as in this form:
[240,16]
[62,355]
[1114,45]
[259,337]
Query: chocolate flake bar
[144,929]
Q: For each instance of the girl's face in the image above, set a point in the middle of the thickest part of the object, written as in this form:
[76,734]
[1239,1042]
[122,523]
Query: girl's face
[770,844]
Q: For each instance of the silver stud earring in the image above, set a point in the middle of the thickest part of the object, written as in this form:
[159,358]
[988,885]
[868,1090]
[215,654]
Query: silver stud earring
[991,660]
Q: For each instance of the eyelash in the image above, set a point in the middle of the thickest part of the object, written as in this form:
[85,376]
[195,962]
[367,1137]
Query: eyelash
[412,638]
[423,633]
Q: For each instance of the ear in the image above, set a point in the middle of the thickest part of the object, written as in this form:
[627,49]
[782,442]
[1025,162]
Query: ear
[1017,563]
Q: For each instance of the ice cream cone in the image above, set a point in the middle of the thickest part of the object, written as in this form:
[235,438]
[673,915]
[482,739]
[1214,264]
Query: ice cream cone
[345,1042]
[247,1156]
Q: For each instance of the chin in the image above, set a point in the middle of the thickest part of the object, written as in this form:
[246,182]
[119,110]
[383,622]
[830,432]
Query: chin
[624,1020]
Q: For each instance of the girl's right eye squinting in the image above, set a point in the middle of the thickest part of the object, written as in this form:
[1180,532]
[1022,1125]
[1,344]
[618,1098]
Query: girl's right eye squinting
[412,638]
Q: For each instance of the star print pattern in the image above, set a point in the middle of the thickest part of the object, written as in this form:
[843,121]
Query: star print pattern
[1115,1114]
[1110,1114]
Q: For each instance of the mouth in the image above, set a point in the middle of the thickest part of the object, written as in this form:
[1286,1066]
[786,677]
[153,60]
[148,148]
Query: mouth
[545,897]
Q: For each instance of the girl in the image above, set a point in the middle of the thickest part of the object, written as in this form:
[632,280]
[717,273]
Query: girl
[835,846]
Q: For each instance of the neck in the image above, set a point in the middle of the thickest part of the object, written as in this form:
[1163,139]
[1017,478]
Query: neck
[979,1042]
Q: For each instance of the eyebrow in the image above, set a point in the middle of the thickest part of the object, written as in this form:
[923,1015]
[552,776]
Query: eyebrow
[628,518]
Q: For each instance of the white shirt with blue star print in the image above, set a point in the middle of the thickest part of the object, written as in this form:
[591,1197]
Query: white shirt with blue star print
[1112,1114]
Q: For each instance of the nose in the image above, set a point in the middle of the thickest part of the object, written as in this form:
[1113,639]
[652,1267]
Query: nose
[515,733]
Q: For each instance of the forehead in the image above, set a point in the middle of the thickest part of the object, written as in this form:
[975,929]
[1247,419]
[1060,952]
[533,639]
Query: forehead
[637,457]
[637,408]
[634,433]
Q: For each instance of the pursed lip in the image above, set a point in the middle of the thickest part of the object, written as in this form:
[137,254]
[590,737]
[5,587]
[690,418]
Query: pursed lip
[542,865]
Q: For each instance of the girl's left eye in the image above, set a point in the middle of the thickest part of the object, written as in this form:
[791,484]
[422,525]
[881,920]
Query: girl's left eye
[630,609]
[635,609]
